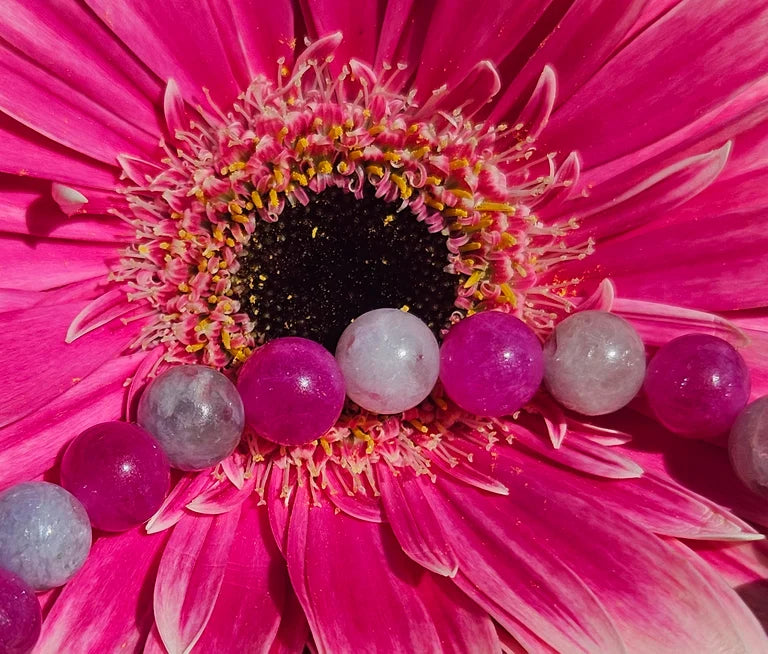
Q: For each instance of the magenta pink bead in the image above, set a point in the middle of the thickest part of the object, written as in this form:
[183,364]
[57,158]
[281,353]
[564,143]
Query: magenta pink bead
[20,616]
[119,473]
[292,390]
[696,385]
[491,364]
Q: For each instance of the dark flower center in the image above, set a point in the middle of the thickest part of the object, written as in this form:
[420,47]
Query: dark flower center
[321,265]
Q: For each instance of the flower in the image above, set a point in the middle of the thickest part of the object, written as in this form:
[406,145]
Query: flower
[142,147]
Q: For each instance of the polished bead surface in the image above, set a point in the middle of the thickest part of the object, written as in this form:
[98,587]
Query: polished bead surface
[45,534]
[748,446]
[696,385]
[491,364]
[20,616]
[196,415]
[390,360]
[594,362]
[119,472]
[292,389]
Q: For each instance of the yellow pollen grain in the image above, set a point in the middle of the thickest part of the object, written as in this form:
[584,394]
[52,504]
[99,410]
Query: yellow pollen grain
[354,155]
[278,174]
[301,145]
[375,170]
[230,242]
[284,71]
[263,278]
[164,245]
[478,296]
[216,278]
[359,433]
[473,279]
[495,206]
[367,113]
[389,219]
[222,265]
[506,291]
[195,347]
[470,247]
[238,165]
[143,248]
[435,181]
[235,208]
[183,287]
[282,134]
[314,232]
[413,128]
[456,212]
[257,200]
[224,170]
[420,152]
[310,172]
[401,184]
[435,204]
[507,240]
[342,167]
[176,215]
[202,266]
[477,168]
[290,101]
[290,188]
[226,339]
[520,270]
[240,218]
[218,234]
[461,193]
[392,156]
[326,446]
[249,206]
[273,198]
[300,178]
[405,308]
[335,132]
[375,130]
[212,299]
[458,163]
[325,167]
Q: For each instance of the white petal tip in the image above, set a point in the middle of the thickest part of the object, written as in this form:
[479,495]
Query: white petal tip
[70,200]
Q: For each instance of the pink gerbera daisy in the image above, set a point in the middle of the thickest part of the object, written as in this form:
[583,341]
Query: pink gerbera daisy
[182,182]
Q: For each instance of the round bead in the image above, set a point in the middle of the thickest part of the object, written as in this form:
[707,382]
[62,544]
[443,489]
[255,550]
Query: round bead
[748,446]
[292,390]
[119,473]
[594,362]
[390,360]
[45,534]
[696,385]
[196,415]
[491,364]
[20,616]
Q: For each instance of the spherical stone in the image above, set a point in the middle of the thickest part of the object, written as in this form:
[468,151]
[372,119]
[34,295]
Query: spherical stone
[390,360]
[748,446]
[20,616]
[45,534]
[491,364]
[696,385]
[292,389]
[196,415]
[594,362]
[119,472]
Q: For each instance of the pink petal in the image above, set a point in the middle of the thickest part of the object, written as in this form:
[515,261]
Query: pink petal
[154,644]
[347,624]
[173,509]
[32,445]
[247,611]
[102,310]
[357,505]
[221,498]
[175,113]
[293,633]
[723,45]
[106,607]
[535,114]
[278,500]
[43,366]
[190,577]
[471,93]
[413,520]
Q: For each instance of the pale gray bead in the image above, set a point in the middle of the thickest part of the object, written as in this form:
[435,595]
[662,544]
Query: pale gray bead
[594,362]
[45,534]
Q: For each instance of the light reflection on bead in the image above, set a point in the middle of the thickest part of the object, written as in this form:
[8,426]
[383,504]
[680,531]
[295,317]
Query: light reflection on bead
[491,364]
[748,446]
[196,415]
[594,363]
[45,534]
[390,360]
[20,616]
[696,385]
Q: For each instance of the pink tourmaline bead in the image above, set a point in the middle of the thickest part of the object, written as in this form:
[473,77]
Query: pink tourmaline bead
[292,390]
[594,362]
[20,616]
[390,360]
[696,385]
[491,364]
[748,446]
[119,473]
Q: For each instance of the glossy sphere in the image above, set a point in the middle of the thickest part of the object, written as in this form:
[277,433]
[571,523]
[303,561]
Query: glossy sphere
[594,362]
[696,385]
[292,390]
[390,360]
[491,364]
[45,534]
[119,473]
[20,616]
[196,415]
[748,446]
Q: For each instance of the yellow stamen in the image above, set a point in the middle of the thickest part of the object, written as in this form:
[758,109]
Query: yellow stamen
[195,347]
[470,247]
[392,156]
[473,279]
[419,425]
[435,204]
[405,190]
[298,177]
[273,198]
[506,291]
[325,167]
[495,206]
[257,200]
[375,170]
[456,212]
[458,163]
[314,232]
[335,132]
[301,145]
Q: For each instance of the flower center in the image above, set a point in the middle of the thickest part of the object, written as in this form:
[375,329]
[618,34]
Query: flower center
[322,264]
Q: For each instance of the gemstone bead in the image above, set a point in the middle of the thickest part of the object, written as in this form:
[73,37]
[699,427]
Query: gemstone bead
[594,362]
[196,415]
[390,360]
[20,616]
[45,534]
[696,385]
[292,389]
[119,473]
[748,446]
[491,364]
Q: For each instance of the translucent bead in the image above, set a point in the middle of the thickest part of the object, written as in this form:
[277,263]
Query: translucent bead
[594,362]
[292,390]
[45,534]
[491,364]
[196,415]
[119,473]
[20,616]
[696,385]
[748,446]
[390,360]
